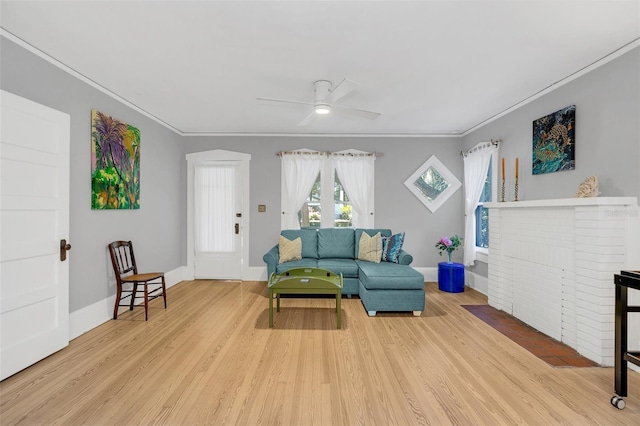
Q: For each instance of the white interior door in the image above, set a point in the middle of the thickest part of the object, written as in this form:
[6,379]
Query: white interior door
[218,220]
[34,217]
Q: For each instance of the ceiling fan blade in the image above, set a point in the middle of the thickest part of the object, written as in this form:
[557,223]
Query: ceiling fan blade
[285,101]
[345,87]
[369,115]
[307,119]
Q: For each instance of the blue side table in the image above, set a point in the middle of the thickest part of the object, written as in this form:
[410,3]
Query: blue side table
[451,277]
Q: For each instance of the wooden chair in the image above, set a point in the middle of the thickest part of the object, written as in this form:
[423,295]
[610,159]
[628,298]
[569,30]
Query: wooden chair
[124,266]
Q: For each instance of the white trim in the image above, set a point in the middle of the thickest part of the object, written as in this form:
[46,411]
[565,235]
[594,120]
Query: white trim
[328,135]
[566,202]
[91,316]
[256,273]
[476,282]
[430,273]
[482,254]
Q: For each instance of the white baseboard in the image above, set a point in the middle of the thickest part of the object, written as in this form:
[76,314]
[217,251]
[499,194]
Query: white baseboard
[476,282]
[100,312]
[256,273]
[430,273]
[472,280]
[259,273]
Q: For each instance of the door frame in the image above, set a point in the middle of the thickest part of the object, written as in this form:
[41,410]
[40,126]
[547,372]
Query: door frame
[218,155]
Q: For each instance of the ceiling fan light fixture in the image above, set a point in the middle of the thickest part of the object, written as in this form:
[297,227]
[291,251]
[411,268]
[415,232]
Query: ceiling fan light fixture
[322,109]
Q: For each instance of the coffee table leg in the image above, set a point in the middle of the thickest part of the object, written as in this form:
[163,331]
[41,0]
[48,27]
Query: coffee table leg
[339,309]
[270,309]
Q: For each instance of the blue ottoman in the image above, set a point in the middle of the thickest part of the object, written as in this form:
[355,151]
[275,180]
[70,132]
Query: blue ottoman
[391,287]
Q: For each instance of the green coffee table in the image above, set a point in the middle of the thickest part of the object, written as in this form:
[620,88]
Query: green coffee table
[305,281]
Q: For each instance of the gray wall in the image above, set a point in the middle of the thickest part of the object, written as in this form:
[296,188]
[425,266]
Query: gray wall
[608,145]
[607,102]
[158,228]
[396,207]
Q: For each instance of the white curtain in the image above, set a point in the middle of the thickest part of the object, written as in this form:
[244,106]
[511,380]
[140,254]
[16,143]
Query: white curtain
[356,173]
[214,187]
[476,165]
[299,173]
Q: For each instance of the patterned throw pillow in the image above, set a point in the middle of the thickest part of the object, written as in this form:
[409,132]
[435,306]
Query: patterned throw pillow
[370,248]
[391,247]
[289,250]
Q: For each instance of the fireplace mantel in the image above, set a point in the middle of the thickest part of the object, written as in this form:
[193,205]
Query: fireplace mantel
[566,202]
[551,264]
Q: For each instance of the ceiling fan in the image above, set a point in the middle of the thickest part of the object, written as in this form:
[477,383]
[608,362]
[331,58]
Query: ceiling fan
[325,96]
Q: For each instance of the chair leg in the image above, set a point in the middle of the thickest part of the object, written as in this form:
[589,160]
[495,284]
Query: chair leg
[118,294]
[133,295]
[164,293]
[146,302]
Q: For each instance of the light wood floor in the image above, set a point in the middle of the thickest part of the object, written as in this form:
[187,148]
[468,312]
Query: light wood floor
[211,359]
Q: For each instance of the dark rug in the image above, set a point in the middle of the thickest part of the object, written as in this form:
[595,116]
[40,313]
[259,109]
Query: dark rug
[554,353]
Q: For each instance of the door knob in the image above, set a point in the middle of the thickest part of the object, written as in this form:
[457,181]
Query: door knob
[237,228]
[64,247]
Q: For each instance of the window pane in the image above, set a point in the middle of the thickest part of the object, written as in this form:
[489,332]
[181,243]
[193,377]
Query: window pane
[342,207]
[482,213]
[482,227]
[214,188]
[486,191]
[309,215]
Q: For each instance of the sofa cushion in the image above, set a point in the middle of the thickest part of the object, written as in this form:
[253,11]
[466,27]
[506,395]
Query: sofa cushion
[370,248]
[391,247]
[347,267]
[309,240]
[289,249]
[371,232]
[302,263]
[336,243]
[389,276]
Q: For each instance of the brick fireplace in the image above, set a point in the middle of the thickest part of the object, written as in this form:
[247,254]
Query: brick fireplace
[551,264]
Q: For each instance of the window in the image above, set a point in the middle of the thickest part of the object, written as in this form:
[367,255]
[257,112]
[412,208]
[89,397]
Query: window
[310,215]
[482,213]
[315,187]
[478,189]
[342,207]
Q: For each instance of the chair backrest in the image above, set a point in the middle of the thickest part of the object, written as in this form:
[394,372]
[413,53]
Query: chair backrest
[122,258]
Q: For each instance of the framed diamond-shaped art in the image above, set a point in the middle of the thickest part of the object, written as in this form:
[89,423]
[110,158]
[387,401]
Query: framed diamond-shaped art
[432,183]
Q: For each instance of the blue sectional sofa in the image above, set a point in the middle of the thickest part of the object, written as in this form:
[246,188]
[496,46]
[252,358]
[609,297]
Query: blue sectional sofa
[384,286]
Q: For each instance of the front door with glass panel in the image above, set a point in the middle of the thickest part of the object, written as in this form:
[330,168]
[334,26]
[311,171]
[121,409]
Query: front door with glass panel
[217,220]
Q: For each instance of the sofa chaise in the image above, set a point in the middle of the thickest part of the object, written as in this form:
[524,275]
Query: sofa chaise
[382,284]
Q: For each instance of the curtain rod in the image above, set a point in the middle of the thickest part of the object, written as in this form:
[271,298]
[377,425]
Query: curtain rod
[347,154]
[494,143]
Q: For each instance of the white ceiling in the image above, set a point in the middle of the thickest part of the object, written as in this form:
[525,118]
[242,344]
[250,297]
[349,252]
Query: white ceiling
[430,67]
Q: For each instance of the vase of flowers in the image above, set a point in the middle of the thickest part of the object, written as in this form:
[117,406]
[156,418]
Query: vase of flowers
[448,245]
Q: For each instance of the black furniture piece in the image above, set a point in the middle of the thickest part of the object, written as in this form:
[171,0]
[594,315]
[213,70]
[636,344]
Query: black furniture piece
[128,278]
[623,281]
